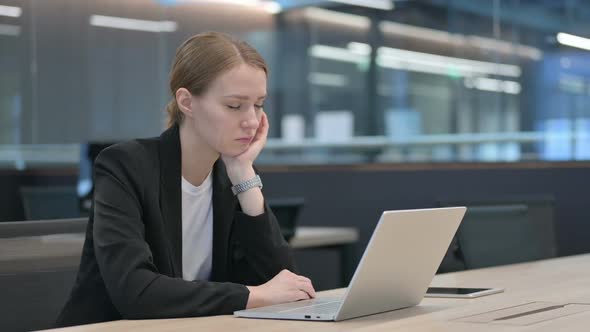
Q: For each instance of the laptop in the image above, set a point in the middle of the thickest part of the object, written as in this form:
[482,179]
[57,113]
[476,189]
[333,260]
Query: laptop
[402,256]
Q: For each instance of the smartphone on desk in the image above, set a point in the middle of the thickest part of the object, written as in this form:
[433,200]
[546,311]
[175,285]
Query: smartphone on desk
[460,292]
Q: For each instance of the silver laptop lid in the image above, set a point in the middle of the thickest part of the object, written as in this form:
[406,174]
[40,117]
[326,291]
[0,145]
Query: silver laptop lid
[402,256]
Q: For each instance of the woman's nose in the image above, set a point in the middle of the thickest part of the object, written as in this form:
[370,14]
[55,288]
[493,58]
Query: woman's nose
[252,120]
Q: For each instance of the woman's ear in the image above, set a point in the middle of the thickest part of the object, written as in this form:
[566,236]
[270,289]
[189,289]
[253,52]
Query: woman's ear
[184,101]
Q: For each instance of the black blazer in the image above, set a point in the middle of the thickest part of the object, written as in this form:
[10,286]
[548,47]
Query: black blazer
[131,265]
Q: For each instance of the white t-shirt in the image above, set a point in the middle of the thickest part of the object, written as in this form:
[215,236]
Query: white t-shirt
[197,230]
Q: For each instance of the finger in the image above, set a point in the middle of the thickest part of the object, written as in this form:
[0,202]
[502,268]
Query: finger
[262,131]
[262,118]
[265,122]
[260,137]
[313,292]
[305,280]
[285,271]
[301,295]
[307,288]
[302,278]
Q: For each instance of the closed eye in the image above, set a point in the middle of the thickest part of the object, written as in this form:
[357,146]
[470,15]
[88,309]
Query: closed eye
[259,106]
[236,108]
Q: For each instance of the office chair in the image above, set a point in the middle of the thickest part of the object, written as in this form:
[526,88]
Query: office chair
[38,268]
[50,202]
[507,230]
[287,210]
[85,189]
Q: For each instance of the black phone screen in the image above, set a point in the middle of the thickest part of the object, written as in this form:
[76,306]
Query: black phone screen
[453,290]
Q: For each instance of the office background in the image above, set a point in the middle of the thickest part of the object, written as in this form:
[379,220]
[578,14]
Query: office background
[373,105]
[428,80]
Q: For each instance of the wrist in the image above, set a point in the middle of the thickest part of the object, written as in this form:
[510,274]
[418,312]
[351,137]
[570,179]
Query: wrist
[254,298]
[239,174]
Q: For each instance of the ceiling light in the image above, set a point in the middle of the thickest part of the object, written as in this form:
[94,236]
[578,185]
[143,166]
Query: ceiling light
[447,63]
[269,6]
[334,17]
[272,7]
[132,24]
[10,11]
[377,4]
[453,64]
[493,85]
[573,41]
[414,61]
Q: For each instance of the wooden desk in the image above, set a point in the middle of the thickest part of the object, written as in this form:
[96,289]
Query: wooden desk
[557,280]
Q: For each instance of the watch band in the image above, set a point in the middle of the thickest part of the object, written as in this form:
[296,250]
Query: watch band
[247,185]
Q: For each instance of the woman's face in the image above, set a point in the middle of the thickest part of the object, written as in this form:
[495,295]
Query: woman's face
[227,116]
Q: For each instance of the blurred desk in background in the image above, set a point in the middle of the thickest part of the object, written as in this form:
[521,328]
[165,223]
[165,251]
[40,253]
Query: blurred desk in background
[308,237]
[62,251]
[342,239]
[26,252]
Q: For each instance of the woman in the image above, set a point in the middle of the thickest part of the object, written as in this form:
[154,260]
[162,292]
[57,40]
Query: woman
[179,225]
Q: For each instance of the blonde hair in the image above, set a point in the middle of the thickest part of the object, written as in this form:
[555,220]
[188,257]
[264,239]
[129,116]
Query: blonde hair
[201,59]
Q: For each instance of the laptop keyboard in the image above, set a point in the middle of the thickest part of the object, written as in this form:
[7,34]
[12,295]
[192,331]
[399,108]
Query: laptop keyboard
[316,308]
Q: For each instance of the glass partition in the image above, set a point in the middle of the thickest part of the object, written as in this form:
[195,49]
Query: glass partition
[375,82]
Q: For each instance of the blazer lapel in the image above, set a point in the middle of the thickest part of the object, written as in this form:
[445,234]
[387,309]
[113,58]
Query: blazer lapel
[224,206]
[170,194]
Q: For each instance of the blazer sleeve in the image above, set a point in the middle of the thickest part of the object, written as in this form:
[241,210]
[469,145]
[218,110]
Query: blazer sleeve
[125,261]
[259,250]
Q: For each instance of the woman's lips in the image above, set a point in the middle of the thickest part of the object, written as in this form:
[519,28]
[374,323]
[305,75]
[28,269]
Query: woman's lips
[245,140]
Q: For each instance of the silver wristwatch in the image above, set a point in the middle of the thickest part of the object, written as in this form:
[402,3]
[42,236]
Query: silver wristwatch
[247,185]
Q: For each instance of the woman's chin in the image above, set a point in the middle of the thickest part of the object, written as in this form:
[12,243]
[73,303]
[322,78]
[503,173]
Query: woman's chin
[235,152]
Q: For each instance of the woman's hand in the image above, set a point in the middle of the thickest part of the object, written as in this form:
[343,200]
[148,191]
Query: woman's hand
[239,168]
[284,287]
